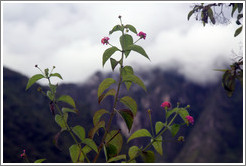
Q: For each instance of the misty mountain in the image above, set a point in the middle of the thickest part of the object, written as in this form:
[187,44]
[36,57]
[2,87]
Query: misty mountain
[217,135]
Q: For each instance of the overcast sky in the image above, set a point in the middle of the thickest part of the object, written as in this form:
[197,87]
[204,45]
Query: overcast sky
[68,36]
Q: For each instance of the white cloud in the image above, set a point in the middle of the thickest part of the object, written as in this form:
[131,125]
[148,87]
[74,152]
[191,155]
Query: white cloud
[68,36]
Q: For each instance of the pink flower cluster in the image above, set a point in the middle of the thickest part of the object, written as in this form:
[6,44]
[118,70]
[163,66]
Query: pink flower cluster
[142,35]
[190,119]
[23,155]
[166,104]
[105,40]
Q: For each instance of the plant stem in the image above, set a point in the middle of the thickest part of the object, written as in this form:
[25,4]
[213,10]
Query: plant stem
[71,133]
[111,115]
[159,134]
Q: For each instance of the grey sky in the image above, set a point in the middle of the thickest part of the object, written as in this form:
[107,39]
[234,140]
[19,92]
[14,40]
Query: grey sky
[68,35]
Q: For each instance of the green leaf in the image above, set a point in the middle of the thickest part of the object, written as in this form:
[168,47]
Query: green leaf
[125,71]
[79,131]
[132,152]
[66,110]
[125,41]
[67,99]
[183,113]
[93,131]
[33,79]
[138,49]
[56,75]
[91,144]
[174,129]
[111,92]
[114,63]
[116,158]
[157,144]
[158,127]
[128,117]
[148,156]
[139,133]
[105,84]
[117,141]
[50,95]
[238,31]
[190,13]
[116,28]
[61,120]
[108,53]
[74,153]
[105,152]
[130,103]
[131,28]
[135,79]
[98,115]
[223,70]
[39,160]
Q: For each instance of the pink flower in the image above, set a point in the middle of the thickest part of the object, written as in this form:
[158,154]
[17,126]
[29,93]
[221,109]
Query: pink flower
[142,35]
[105,40]
[23,155]
[166,104]
[190,119]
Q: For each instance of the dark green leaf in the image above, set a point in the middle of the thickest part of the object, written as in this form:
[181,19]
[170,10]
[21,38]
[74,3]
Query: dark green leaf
[211,15]
[33,79]
[190,13]
[116,158]
[125,41]
[157,144]
[128,117]
[115,138]
[138,49]
[238,31]
[132,152]
[39,160]
[114,63]
[131,28]
[148,156]
[111,92]
[91,144]
[108,53]
[79,131]
[135,79]
[139,133]
[105,84]
[56,75]
[130,103]
[67,99]
[174,129]
[240,7]
[111,151]
[98,115]
[116,28]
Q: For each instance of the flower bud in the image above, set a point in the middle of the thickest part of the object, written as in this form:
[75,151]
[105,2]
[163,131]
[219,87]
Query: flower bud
[23,155]
[181,139]
[166,105]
